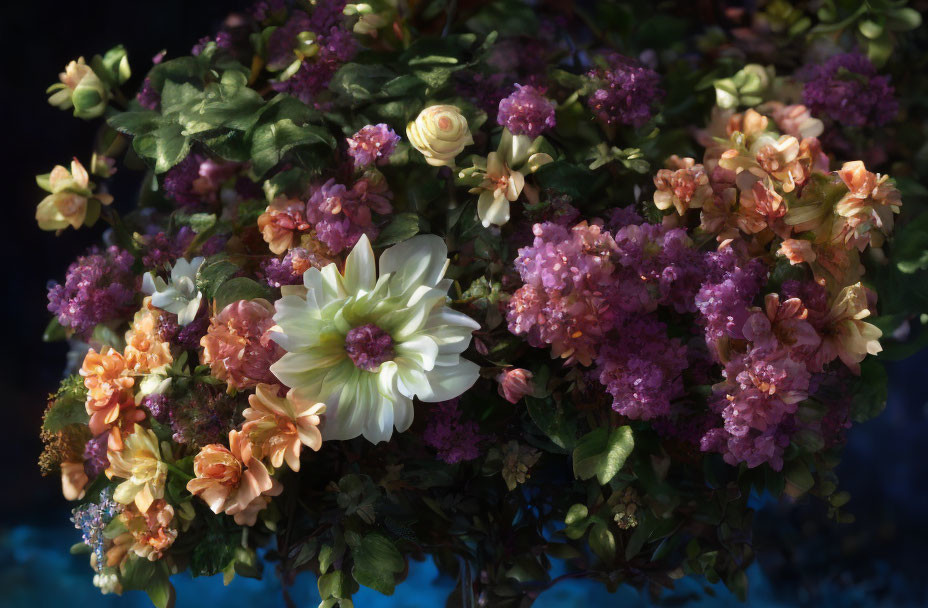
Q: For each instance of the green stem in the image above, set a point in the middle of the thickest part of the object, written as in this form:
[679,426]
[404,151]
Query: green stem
[178,471]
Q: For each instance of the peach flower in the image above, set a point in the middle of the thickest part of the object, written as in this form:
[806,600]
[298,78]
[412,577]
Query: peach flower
[865,213]
[277,427]
[683,185]
[73,480]
[282,222]
[233,484]
[238,347]
[145,350]
[109,392]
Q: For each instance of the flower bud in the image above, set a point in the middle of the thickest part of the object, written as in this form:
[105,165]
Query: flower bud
[80,88]
[440,133]
[515,383]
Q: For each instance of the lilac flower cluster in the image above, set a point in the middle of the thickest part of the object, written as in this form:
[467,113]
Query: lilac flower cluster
[92,518]
[455,440]
[642,369]
[95,458]
[186,337]
[98,287]
[372,144]
[341,215]
[368,346]
[160,250]
[147,96]
[194,182]
[728,290]
[337,45]
[847,89]
[201,416]
[625,92]
[526,112]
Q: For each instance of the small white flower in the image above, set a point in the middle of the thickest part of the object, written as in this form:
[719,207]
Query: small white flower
[181,295]
[367,346]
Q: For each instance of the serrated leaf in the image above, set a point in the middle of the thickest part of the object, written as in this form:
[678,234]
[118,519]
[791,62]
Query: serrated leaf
[602,452]
[214,271]
[165,146]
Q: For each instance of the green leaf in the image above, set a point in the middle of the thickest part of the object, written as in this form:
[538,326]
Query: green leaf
[602,452]
[553,420]
[910,247]
[271,142]
[161,592]
[576,514]
[602,542]
[165,146]
[213,553]
[566,178]
[214,271]
[376,561]
[798,478]
[404,226]
[240,288]
[870,392]
[136,123]
[54,331]
[336,584]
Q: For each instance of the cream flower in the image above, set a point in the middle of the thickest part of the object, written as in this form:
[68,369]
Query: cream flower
[845,334]
[277,427]
[440,133]
[181,295]
[366,346]
[140,464]
[72,201]
[80,88]
[500,178]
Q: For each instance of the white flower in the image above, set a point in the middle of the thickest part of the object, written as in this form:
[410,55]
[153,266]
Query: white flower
[366,345]
[181,295]
[500,178]
[440,133]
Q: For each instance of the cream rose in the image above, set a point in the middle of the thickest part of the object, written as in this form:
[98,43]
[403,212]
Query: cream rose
[440,133]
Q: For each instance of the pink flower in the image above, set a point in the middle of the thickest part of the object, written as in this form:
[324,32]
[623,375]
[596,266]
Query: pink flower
[515,383]
[237,346]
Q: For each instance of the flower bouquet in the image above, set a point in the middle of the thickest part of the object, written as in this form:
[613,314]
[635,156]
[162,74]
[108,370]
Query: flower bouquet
[499,284]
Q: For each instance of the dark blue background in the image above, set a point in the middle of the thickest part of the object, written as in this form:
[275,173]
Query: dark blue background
[803,558]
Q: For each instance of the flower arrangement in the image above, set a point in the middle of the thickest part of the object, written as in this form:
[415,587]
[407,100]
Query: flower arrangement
[495,284]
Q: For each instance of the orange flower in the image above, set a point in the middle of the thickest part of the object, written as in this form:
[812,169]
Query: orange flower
[282,223]
[145,350]
[797,251]
[238,346]
[73,480]
[865,213]
[109,391]
[233,484]
[683,185]
[277,427]
[152,531]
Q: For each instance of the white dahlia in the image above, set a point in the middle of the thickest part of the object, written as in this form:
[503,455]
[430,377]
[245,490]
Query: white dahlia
[366,345]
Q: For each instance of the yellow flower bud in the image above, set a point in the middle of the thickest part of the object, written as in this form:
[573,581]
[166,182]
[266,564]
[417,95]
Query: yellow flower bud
[440,133]
[80,88]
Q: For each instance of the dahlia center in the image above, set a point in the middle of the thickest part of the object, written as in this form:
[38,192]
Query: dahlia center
[368,346]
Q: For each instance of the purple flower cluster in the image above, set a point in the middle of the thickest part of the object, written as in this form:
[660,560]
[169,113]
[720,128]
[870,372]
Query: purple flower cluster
[148,97]
[92,518]
[98,287]
[372,144]
[95,458]
[201,416]
[188,336]
[336,45]
[161,250]
[178,182]
[625,92]
[642,369]
[341,215]
[279,272]
[660,267]
[728,290]
[455,440]
[568,283]
[368,346]
[526,112]
[847,89]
